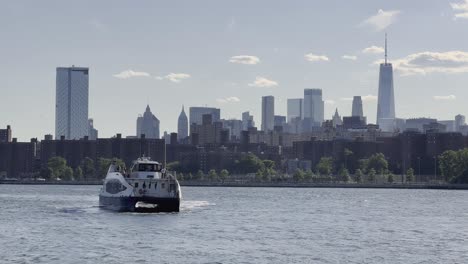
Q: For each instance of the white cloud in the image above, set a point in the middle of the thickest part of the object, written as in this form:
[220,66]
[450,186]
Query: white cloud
[329,102]
[245,59]
[314,58]
[130,73]
[369,98]
[432,62]
[349,57]
[444,97]
[461,9]
[174,77]
[263,82]
[373,50]
[382,19]
[231,99]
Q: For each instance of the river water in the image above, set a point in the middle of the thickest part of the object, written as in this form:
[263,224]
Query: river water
[63,224]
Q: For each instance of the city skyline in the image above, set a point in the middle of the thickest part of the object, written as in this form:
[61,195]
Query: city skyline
[238,66]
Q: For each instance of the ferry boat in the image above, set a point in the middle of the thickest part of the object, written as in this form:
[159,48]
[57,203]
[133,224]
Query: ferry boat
[147,187]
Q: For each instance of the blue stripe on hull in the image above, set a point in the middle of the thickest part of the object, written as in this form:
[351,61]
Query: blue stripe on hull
[127,204]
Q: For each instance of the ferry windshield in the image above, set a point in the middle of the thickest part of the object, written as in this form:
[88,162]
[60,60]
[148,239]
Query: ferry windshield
[150,167]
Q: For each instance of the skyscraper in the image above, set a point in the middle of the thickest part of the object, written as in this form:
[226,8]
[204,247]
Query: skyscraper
[92,132]
[148,125]
[357,107]
[268,113]
[5,134]
[459,122]
[182,126]
[196,114]
[313,106]
[247,121]
[71,102]
[295,108]
[336,120]
[386,98]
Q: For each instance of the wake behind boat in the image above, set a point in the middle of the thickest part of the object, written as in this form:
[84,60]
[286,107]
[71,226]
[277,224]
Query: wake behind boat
[146,188]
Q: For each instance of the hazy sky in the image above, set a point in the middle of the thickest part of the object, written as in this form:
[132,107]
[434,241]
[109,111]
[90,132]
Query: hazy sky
[228,54]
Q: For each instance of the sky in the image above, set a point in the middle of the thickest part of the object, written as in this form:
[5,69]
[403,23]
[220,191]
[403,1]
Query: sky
[228,54]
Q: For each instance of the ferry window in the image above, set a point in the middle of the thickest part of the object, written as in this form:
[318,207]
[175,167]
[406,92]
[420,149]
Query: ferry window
[149,185]
[155,185]
[136,184]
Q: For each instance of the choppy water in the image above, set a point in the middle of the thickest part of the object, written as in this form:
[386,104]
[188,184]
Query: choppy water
[62,224]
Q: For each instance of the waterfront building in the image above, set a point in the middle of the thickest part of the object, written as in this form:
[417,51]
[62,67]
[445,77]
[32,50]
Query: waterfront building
[313,106]
[148,124]
[247,121]
[92,132]
[386,97]
[182,126]
[71,102]
[196,114]
[268,113]
[295,108]
[357,107]
[5,134]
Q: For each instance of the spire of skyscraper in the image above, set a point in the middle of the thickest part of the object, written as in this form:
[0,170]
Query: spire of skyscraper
[386,97]
[385,47]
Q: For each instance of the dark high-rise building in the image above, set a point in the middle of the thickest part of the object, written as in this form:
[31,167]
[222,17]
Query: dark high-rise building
[5,134]
[268,113]
[182,126]
[71,102]
[386,98]
[357,107]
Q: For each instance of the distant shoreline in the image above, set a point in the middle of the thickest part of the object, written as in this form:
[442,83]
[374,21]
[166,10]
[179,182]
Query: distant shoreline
[270,184]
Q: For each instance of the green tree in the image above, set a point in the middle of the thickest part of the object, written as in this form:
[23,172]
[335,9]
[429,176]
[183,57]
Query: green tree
[378,162]
[347,153]
[223,175]
[174,166]
[46,173]
[325,166]
[78,173]
[180,176]
[57,165]
[390,178]
[410,175]
[449,165]
[67,174]
[213,175]
[200,175]
[344,175]
[249,164]
[298,175]
[358,175]
[259,175]
[87,166]
[309,175]
[371,175]
[103,166]
[190,176]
